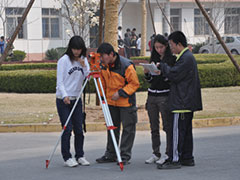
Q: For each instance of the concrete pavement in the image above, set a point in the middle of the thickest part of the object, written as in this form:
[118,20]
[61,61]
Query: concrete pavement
[23,155]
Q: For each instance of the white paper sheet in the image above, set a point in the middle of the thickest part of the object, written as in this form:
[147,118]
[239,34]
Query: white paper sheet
[151,67]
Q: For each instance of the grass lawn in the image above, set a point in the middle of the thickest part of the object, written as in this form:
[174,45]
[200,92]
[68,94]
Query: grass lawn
[41,108]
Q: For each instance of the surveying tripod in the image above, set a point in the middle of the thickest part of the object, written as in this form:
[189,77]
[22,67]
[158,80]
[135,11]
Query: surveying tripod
[95,74]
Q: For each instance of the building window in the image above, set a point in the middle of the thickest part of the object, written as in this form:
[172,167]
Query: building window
[175,19]
[201,26]
[94,36]
[232,21]
[50,23]
[13,17]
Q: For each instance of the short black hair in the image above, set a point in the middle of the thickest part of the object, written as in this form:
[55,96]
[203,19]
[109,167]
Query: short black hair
[178,37]
[128,30]
[105,48]
[76,42]
[119,27]
[139,35]
[2,37]
[134,29]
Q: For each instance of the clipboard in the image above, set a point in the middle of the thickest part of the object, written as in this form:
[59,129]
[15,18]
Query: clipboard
[151,67]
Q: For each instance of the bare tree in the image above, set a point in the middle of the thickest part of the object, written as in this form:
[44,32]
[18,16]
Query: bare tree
[80,14]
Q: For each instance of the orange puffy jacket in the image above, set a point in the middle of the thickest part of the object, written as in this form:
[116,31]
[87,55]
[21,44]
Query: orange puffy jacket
[121,77]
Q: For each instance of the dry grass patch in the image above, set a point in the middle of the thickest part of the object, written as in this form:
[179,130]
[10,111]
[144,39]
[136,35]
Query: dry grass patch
[41,108]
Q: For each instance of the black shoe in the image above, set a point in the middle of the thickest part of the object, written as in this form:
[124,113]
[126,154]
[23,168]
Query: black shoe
[125,162]
[105,159]
[169,165]
[188,162]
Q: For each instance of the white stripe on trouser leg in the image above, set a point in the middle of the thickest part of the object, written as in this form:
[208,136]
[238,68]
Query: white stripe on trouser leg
[175,137]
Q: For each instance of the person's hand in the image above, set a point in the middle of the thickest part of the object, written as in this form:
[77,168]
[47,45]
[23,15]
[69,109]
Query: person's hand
[145,71]
[116,96]
[157,64]
[82,62]
[66,100]
[158,72]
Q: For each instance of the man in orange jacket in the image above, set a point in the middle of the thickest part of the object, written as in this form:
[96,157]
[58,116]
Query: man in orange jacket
[120,82]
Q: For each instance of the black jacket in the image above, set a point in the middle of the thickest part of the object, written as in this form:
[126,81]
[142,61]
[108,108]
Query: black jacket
[159,84]
[185,90]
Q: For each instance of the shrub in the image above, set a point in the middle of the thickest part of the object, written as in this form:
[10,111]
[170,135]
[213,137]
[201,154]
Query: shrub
[55,54]
[196,47]
[51,54]
[17,56]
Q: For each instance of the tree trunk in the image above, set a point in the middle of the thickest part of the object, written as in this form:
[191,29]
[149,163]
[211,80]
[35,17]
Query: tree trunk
[111,23]
[144,28]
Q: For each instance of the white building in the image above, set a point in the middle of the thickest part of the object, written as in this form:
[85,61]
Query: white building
[44,28]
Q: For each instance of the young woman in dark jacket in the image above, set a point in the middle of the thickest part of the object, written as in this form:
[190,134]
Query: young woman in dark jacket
[157,100]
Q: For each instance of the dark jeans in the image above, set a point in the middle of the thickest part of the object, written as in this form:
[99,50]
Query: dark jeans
[127,52]
[74,124]
[154,106]
[182,137]
[133,52]
[128,117]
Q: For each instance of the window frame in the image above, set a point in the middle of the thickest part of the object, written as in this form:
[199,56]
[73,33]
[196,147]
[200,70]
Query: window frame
[177,15]
[50,16]
[15,13]
[205,28]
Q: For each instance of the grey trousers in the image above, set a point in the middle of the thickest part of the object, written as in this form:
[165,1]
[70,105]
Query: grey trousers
[154,106]
[128,117]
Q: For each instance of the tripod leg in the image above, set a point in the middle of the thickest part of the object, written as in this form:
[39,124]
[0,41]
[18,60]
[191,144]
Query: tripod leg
[108,119]
[65,125]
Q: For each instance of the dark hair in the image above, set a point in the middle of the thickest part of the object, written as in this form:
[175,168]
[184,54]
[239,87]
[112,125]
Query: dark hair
[178,37]
[105,48]
[2,37]
[126,35]
[139,35]
[119,27]
[162,40]
[76,42]
[128,30]
[134,29]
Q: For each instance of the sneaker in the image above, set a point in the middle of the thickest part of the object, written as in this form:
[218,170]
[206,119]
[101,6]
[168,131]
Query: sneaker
[152,159]
[188,162]
[105,159]
[71,162]
[162,160]
[82,161]
[169,165]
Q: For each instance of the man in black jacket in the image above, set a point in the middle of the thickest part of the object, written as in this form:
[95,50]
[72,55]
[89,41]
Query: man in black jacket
[184,99]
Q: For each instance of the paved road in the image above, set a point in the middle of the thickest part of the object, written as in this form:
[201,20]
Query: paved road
[23,155]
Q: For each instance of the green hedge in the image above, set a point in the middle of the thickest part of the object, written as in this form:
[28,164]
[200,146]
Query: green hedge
[200,58]
[31,81]
[28,81]
[44,81]
[7,67]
